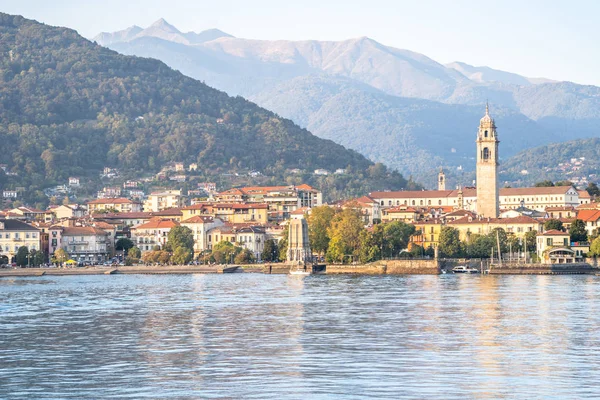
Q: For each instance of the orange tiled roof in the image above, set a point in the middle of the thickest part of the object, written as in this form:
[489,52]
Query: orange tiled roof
[553,232]
[117,200]
[588,215]
[157,223]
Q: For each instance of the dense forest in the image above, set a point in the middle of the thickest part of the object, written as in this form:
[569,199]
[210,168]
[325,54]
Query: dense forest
[553,162]
[69,107]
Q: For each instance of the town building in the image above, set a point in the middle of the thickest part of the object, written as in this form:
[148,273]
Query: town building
[153,233]
[74,182]
[517,226]
[85,244]
[553,247]
[118,204]
[235,213]
[162,200]
[15,234]
[200,225]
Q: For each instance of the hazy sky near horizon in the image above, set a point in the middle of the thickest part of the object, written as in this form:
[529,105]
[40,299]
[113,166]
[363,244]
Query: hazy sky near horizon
[536,38]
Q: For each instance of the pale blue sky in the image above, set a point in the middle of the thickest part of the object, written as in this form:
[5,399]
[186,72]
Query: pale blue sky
[552,39]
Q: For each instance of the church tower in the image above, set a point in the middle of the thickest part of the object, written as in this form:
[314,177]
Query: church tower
[487,167]
[441,180]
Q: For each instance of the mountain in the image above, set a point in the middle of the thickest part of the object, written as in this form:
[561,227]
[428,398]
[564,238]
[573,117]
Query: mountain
[393,105]
[489,75]
[69,107]
[160,29]
[575,160]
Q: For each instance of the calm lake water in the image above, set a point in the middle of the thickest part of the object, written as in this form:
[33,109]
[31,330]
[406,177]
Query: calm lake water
[319,337]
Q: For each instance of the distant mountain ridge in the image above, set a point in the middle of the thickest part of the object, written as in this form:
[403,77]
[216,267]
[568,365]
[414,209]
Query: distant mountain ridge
[160,29]
[393,105]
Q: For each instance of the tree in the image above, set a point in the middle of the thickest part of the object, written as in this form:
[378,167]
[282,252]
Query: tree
[61,256]
[344,232]
[563,183]
[283,243]
[124,245]
[135,253]
[22,256]
[578,231]
[595,247]
[181,256]
[553,224]
[593,189]
[270,251]
[530,240]
[319,222]
[545,183]
[181,236]
[244,257]
[450,244]
[394,237]
[37,257]
[369,248]
[224,252]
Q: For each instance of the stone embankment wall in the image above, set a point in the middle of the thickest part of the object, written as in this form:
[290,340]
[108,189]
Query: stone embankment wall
[389,267]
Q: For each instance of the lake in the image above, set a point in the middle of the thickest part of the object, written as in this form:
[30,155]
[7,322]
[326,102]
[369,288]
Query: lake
[259,336]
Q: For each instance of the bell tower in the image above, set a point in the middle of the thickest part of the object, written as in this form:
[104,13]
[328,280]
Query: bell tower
[441,180]
[487,167]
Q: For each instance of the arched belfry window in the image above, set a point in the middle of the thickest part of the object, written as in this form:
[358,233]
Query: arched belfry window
[485,133]
[486,153]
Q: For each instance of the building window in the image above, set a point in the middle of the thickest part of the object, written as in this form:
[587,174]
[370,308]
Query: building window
[485,133]
[486,153]
[549,241]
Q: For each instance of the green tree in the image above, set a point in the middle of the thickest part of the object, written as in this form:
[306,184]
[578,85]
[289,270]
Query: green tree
[545,183]
[369,248]
[593,189]
[61,256]
[393,237]
[135,253]
[270,251]
[37,257]
[450,245]
[181,256]
[578,232]
[344,232]
[319,222]
[22,256]
[553,224]
[283,243]
[181,236]
[563,183]
[530,240]
[244,257]
[124,244]
[224,252]
[595,247]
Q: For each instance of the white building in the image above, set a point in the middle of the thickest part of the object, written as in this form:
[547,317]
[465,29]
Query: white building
[153,233]
[85,244]
[15,234]
[158,201]
[200,225]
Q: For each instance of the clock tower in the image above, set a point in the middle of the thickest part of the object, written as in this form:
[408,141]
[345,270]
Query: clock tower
[487,167]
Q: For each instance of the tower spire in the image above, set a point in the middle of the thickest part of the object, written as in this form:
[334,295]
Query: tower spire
[487,108]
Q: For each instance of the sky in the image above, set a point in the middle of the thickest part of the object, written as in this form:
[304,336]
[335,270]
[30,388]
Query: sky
[553,38]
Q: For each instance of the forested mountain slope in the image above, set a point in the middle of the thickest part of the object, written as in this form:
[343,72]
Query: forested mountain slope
[69,107]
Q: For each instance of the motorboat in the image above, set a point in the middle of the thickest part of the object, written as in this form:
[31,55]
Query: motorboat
[463,269]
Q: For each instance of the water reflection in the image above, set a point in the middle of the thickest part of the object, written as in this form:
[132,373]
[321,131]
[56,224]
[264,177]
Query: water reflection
[276,336]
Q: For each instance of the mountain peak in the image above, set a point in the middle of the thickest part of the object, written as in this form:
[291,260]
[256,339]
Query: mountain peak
[164,25]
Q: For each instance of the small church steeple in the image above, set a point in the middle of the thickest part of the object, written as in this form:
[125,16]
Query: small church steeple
[441,180]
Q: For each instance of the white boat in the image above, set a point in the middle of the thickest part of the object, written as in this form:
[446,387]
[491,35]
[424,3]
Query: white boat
[299,272]
[463,269]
